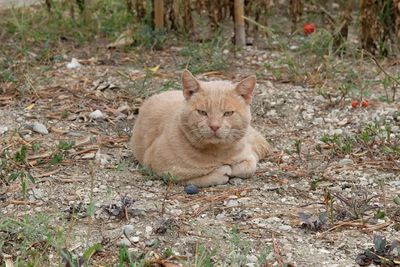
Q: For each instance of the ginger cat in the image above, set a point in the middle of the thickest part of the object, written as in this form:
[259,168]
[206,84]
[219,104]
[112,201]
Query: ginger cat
[201,136]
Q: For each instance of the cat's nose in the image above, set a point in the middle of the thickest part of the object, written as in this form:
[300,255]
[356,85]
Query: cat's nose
[215,127]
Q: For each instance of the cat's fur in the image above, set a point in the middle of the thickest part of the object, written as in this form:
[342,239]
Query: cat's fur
[194,136]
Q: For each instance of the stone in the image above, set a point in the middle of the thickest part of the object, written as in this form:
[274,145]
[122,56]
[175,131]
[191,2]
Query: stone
[128,229]
[149,229]
[103,159]
[232,203]
[134,239]
[346,161]
[285,228]
[39,128]
[124,242]
[191,189]
[74,64]
[96,115]
[3,129]
[149,183]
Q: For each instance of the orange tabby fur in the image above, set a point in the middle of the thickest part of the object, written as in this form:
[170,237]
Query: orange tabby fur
[202,135]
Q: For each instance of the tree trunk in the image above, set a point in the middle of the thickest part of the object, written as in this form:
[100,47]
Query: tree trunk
[376,25]
[295,12]
[159,14]
[240,37]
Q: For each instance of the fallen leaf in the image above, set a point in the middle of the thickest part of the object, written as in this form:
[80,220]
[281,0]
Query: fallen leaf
[30,106]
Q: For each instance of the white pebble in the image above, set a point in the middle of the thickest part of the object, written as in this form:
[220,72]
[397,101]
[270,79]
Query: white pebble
[39,128]
[97,114]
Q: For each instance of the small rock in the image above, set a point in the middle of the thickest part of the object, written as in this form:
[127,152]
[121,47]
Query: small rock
[273,219]
[232,203]
[96,115]
[285,227]
[102,158]
[343,122]
[37,193]
[272,113]
[345,161]
[3,129]
[103,187]
[39,128]
[236,181]
[149,183]
[134,239]
[124,242]
[149,229]
[252,258]
[128,229]
[220,216]
[191,189]
[74,64]
[336,131]
[88,156]
[150,242]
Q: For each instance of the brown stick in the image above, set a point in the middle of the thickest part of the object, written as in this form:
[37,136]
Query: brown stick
[240,35]
[159,14]
[277,251]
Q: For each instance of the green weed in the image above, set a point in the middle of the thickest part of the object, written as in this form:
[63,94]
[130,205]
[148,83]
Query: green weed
[196,54]
[31,238]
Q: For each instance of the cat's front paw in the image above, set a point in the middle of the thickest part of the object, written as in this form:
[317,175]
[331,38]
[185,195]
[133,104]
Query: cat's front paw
[244,169]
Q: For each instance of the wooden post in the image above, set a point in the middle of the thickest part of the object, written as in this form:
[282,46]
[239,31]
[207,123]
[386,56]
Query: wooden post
[240,35]
[159,14]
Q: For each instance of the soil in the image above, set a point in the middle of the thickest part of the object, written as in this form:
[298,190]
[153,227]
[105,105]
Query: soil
[261,211]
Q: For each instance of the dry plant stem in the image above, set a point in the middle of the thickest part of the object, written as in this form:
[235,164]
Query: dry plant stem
[169,185]
[91,221]
[382,184]
[277,251]
[389,76]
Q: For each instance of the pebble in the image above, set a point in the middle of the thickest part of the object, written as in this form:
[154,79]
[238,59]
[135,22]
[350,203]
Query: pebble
[149,229]
[39,128]
[128,229]
[96,115]
[236,181]
[3,129]
[285,227]
[345,161]
[336,131]
[102,158]
[149,183]
[88,156]
[252,258]
[134,239]
[124,242]
[191,189]
[74,64]
[232,203]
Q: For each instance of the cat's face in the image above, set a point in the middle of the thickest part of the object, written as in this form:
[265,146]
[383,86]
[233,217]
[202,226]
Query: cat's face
[216,112]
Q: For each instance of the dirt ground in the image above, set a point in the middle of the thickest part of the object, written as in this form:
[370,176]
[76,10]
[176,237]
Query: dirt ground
[244,223]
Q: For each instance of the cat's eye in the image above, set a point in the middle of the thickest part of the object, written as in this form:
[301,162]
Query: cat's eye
[202,112]
[228,113]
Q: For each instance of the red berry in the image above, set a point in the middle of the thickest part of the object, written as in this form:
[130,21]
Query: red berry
[364,103]
[308,28]
[354,103]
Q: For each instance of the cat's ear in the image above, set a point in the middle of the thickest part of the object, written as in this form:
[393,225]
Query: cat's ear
[246,87]
[190,84]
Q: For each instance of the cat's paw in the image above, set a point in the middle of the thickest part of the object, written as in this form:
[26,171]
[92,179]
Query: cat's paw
[244,169]
[224,170]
